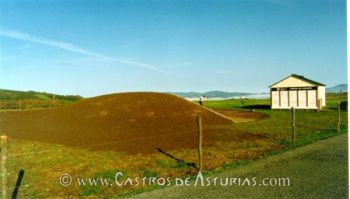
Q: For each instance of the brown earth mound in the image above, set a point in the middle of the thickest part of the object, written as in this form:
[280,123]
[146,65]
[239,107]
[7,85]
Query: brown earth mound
[131,122]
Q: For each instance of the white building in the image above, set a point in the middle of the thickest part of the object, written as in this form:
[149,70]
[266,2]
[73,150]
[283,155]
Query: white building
[298,92]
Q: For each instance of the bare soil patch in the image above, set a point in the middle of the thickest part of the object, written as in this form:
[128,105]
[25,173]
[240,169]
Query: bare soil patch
[130,122]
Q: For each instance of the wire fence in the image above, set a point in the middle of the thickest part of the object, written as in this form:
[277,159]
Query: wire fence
[16,155]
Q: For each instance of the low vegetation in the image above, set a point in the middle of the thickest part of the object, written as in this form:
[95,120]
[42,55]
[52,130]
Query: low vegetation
[19,100]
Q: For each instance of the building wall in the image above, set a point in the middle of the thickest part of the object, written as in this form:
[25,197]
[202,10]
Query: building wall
[302,99]
[321,92]
[284,99]
[293,98]
[299,99]
[274,99]
[312,98]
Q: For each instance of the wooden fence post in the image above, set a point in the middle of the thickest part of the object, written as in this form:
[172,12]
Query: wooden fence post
[338,125]
[200,138]
[293,125]
[4,166]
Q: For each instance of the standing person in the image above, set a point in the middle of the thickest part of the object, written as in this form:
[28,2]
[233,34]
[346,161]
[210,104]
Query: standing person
[201,98]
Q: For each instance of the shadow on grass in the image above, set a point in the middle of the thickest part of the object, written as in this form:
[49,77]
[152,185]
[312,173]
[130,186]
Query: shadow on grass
[18,184]
[343,106]
[179,161]
[257,106]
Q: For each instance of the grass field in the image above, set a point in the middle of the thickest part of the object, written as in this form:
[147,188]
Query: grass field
[234,145]
[310,125]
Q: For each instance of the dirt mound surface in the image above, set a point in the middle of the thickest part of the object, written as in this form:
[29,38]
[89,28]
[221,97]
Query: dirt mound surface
[130,122]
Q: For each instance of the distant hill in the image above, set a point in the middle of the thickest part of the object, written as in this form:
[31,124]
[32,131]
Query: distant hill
[336,89]
[12,94]
[187,94]
[210,94]
[11,99]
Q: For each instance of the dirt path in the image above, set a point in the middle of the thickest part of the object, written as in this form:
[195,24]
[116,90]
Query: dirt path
[318,170]
[219,114]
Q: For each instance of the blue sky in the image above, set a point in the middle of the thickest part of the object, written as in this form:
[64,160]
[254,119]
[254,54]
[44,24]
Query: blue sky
[95,47]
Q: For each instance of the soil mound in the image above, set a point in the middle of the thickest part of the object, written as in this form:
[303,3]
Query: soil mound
[131,122]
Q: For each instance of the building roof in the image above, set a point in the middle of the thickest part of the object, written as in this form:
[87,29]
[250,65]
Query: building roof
[300,77]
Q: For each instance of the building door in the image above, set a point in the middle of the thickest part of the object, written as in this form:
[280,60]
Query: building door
[312,99]
[302,99]
[284,99]
[293,100]
[275,99]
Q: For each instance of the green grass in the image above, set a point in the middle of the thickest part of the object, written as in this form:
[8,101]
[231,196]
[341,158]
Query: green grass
[235,103]
[310,125]
[99,190]
[333,99]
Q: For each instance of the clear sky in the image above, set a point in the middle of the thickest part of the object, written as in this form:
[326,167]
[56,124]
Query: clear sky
[93,47]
